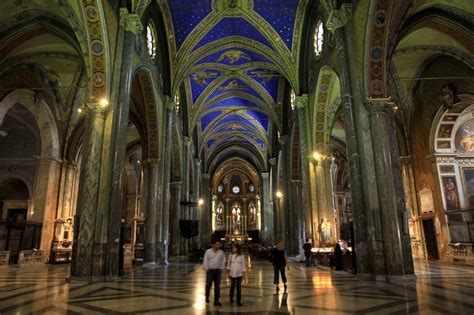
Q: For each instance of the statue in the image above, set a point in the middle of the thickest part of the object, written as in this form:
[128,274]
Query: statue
[448,97]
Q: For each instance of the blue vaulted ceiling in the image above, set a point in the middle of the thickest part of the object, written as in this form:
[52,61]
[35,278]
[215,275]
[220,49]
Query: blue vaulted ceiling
[234,57]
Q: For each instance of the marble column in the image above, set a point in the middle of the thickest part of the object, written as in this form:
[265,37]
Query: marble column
[305,136]
[185,210]
[206,210]
[130,28]
[297,233]
[67,189]
[267,212]
[165,220]
[86,262]
[45,199]
[151,178]
[229,215]
[396,240]
[357,141]
[175,208]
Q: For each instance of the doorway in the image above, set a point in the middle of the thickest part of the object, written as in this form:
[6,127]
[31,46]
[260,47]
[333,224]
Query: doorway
[430,239]
[16,228]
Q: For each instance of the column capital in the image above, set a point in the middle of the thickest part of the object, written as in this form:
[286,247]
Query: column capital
[130,21]
[265,175]
[98,109]
[272,161]
[283,139]
[406,160]
[302,101]
[187,140]
[197,161]
[227,199]
[176,183]
[380,105]
[339,18]
[169,103]
[205,176]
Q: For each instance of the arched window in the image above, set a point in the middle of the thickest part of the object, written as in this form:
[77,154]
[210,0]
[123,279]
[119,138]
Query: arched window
[220,214]
[252,213]
[151,40]
[292,99]
[318,38]
[236,212]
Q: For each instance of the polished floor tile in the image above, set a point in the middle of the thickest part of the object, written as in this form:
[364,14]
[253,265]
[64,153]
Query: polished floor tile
[179,289]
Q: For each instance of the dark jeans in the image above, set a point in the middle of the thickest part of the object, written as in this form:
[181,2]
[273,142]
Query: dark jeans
[235,282]
[213,275]
[277,270]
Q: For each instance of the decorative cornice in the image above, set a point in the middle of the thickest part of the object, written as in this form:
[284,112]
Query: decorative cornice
[339,18]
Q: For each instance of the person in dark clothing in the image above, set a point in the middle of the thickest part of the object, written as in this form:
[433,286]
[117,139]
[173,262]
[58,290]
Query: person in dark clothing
[279,261]
[338,257]
[307,252]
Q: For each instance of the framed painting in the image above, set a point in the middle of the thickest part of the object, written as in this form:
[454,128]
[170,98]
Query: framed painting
[450,191]
[468,183]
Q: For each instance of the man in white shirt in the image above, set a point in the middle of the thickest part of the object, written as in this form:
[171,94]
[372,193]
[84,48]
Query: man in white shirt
[214,263]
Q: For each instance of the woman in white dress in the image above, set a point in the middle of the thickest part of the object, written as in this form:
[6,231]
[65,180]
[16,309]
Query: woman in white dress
[236,270]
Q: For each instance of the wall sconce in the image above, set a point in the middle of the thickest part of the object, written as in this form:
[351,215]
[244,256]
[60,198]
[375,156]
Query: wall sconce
[103,102]
[279,194]
[200,202]
[317,156]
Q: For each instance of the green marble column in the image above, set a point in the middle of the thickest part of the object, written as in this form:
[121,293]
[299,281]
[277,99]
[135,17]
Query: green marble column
[302,108]
[206,210]
[165,221]
[396,239]
[267,213]
[130,28]
[175,208]
[84,256]
[185,209]
[151,177]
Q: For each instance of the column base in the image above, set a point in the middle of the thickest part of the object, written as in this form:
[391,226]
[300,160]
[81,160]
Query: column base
[386,278]
[76,279]
[150,252]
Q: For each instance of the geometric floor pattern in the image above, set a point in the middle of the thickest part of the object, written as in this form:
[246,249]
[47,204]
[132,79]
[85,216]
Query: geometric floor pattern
[439,288]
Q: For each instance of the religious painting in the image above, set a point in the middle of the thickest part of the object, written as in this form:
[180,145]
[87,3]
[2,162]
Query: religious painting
[220,214]
[465,137]
[234,86]
[468,177]
[232,56]
[443,144]
[444,131]
[446,169]
[450,191]
[203,77]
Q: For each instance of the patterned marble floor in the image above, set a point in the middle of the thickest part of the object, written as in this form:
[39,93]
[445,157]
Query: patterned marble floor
[179,289]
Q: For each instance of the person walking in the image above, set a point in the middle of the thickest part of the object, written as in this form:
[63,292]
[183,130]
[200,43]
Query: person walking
[214,263]
[279,261]
[236,270]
